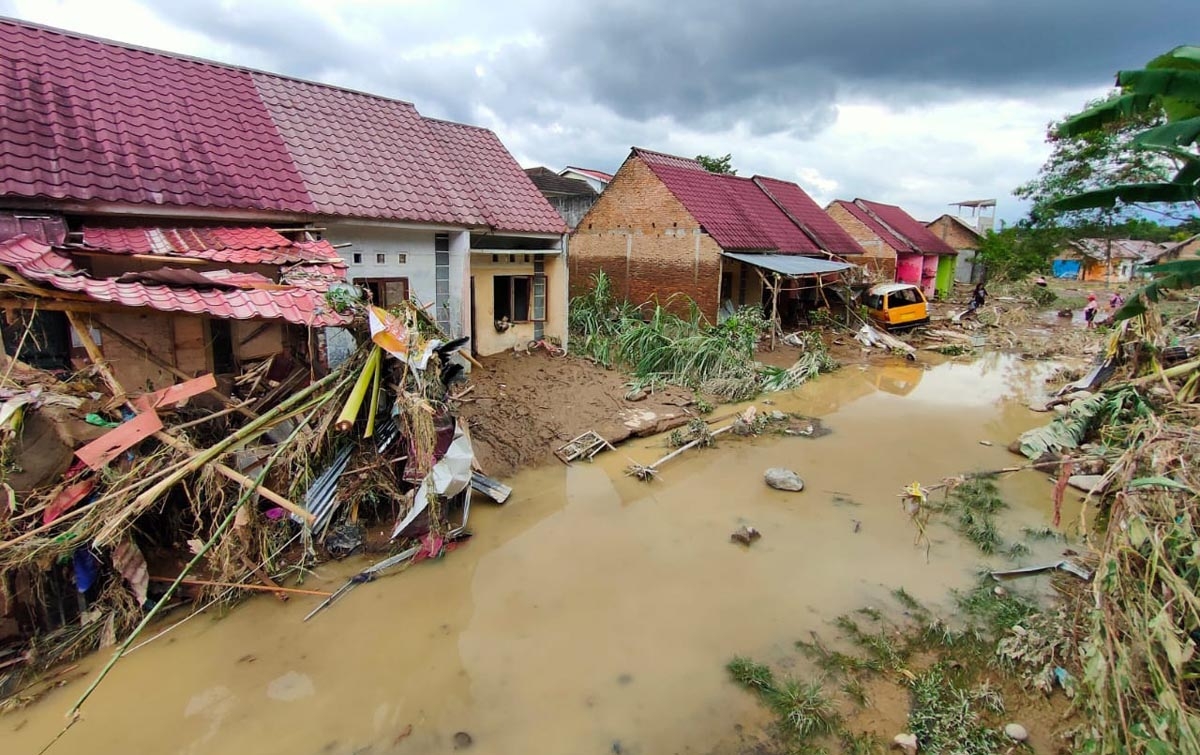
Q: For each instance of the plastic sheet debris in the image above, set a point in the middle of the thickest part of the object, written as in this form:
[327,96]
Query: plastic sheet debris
[1069,567]
[450,476]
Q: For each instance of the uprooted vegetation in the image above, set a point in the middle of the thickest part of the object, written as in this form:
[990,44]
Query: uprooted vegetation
[659,346]
[962,678]
[1131,640]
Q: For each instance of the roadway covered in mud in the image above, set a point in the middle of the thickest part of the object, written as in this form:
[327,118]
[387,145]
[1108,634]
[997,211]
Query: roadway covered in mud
[593,612]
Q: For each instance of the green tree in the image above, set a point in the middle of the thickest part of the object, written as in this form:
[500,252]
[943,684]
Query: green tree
[1087,159]
[1017,251]
[723,165]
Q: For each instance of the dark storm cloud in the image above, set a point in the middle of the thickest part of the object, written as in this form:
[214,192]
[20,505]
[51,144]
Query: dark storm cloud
[771,65]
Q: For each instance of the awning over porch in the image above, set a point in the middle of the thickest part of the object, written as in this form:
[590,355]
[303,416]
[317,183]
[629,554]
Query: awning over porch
[790,265]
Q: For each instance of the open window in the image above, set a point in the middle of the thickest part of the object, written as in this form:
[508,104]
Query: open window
[385,292]
[520,298]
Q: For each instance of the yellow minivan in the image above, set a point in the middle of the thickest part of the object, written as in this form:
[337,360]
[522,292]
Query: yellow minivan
[897,305]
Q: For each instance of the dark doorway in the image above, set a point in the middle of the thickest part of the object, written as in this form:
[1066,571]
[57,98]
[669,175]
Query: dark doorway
[46,346]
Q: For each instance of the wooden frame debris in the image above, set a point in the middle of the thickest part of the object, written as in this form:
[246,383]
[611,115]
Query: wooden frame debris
[586,446]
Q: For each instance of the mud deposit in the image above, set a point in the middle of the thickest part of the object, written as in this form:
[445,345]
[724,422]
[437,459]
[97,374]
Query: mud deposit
[593,613]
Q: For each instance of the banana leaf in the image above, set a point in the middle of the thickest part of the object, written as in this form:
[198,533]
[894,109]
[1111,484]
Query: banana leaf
[1174,275]
[1165,193]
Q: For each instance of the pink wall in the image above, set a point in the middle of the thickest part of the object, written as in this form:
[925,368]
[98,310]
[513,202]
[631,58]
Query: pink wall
[929,265]
[908,268]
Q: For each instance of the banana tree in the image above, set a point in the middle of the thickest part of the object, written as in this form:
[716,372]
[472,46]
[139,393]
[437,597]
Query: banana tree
[1172,82]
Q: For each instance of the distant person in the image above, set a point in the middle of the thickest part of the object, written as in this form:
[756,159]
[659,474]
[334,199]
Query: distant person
[1089,312]
[1116,301]
[978,296]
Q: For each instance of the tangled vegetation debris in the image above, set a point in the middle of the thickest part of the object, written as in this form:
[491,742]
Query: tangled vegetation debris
[659,346]
[86,553]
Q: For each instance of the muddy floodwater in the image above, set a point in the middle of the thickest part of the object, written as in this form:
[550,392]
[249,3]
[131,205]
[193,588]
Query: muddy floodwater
[593,613]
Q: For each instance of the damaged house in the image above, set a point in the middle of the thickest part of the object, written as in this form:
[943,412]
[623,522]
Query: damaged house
[176,242]
[666,226]
[203,210]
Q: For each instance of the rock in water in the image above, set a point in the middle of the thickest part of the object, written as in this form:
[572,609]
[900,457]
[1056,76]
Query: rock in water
[906,742]
[783,479]
[1016,732]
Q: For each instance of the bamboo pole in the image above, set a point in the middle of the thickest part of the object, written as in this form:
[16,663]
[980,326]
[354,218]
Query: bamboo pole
[244,586]
[210,454]
[73,713]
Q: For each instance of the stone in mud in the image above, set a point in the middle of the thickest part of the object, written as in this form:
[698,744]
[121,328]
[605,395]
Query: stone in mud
[905,742]
[783,479]
[1088,483]
[1016,732]
[462,740]
[777,416]
[745,535]
[636,396]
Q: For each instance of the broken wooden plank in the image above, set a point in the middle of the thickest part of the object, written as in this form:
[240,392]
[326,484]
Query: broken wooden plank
[109,446]
[176,393]
[492,488]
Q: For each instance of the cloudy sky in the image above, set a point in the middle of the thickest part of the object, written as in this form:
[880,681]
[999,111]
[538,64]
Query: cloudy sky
[915,102]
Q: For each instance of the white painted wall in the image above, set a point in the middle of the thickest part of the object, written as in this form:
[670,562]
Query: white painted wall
[370,240]
[390,241]
[460,282]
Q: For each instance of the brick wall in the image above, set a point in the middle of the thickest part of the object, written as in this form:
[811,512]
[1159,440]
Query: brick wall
[860,232]
[647,242]
[952,232]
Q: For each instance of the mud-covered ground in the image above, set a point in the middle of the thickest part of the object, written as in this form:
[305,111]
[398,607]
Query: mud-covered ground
[524,406]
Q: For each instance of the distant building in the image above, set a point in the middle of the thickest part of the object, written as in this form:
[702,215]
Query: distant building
[1103,260]
[597,179]
[961,234]
[572,197]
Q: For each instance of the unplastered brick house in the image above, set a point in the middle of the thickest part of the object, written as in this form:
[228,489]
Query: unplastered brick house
[203,210]
[897,246]
[665,226]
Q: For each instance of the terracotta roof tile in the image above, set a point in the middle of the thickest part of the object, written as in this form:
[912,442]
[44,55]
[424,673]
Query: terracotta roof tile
[90,120]
[295,304]
[897,228]
[739,213]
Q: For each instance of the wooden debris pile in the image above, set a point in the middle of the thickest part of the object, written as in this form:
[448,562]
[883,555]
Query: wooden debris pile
[111,500]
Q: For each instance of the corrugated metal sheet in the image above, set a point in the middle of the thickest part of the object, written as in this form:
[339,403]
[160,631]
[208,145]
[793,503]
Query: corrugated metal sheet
[737,212]
[790,264]
[830,236]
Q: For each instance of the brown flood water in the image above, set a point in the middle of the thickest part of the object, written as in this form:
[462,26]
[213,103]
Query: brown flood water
[593,613]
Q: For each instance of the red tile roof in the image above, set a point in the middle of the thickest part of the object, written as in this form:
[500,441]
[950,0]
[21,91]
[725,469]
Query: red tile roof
[509,197]
[809,215]
[599,175]
[239,246]
[295,304]
[759,214]
[90,120]
[896,228]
